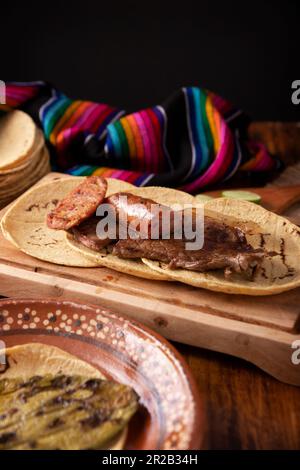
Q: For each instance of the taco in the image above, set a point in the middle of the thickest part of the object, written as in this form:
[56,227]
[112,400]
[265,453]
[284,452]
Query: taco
[275,240]
[83,237]
[50,399]
[246,250]
[24,225]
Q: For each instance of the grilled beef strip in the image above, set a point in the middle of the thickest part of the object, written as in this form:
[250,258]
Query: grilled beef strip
[86,234]
[224,248]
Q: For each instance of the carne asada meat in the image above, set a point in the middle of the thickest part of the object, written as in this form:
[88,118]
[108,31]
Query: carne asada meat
[224,248]
[79,204]
[141,215]
[217,232]
[86,234]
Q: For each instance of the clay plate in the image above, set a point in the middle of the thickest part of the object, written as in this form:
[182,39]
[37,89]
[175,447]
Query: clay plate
[171,413]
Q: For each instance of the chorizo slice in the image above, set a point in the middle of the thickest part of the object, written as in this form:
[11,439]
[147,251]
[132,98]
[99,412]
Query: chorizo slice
[79,204]
[145,215]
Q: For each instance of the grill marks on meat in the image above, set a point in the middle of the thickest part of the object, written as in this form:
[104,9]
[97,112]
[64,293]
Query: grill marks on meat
[79,204]
[224,248]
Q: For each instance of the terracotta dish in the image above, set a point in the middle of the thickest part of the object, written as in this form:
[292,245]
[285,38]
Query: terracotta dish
[171,415]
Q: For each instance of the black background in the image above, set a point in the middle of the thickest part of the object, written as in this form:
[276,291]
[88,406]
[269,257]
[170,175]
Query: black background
[134,54]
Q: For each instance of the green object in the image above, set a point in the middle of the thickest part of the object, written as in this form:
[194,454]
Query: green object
[203,197]
[242,196]
[63,412]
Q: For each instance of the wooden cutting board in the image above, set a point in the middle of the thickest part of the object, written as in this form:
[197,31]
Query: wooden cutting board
[259,329]
[273,198]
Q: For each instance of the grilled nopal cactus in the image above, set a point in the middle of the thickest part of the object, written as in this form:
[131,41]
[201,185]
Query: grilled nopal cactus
[63,412]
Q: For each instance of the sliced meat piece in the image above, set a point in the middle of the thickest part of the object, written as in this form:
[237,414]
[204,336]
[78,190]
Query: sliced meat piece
[219,232]
[86,234]
[159,250]
[214,230]
[173,253]
[140,214]
[224,248]
[79,204]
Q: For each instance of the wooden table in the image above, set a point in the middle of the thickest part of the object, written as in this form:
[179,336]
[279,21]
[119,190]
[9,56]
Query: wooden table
[246,408]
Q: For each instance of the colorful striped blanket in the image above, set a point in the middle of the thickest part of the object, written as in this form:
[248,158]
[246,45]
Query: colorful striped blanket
[192,141]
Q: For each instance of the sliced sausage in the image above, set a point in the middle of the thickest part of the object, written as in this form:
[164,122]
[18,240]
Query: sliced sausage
[79,204]
[140,214]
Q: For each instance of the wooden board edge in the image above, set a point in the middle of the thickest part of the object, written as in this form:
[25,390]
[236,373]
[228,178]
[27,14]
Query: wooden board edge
[53,176]
[268,349]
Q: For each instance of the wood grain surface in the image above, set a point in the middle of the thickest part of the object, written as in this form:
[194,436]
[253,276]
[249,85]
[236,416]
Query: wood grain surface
[275,199]
[245,407]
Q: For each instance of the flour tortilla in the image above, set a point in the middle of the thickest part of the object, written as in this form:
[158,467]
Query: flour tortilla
[169,197]
[24,224]
[277,274]
[18,134]
[32,359]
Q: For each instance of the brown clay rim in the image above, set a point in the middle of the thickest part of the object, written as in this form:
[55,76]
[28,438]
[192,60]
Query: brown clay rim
[197,435]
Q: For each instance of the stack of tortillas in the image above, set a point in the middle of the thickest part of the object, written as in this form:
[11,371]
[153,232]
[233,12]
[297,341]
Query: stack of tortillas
[24,158]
